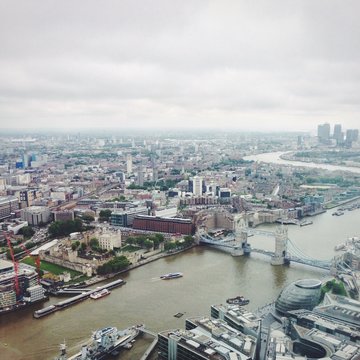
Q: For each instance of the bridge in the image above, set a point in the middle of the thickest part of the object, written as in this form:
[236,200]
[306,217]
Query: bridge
[286,250]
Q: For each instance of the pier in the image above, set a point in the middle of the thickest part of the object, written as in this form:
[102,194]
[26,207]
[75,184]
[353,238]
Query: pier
[152,346]
[75,299]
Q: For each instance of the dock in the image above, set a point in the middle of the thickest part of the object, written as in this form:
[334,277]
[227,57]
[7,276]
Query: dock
[152,346]
[149,350]
[75,299]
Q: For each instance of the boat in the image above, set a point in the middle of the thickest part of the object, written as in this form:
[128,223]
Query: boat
[104,342]
[99,294]
[306,222]
[238,300]
[171,276]
[338,213]
[340,247]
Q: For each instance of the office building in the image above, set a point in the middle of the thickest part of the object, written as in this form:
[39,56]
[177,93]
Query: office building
[8,205]
[301,294]
[197,185]
[36,215]
[128,164]
[166,225]
[324,133]
[126,218]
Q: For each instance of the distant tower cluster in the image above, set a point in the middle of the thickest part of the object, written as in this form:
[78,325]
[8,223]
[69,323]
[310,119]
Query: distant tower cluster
[338,136]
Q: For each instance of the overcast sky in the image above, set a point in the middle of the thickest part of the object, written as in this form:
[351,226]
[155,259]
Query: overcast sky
[252,65]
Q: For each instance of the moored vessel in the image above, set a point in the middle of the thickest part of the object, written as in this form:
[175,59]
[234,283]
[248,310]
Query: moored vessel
[238,300]
[103,342]
[99,294]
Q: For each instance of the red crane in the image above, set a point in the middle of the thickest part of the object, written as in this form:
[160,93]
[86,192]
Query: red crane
[36,258]
[16,266]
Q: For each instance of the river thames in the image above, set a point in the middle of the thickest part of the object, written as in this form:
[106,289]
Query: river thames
[210,277]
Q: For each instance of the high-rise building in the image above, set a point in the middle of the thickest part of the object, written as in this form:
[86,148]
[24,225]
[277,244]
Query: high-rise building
[324,132]
[140,175]
[338,135]
[197,185]
[351,135]
[129,164]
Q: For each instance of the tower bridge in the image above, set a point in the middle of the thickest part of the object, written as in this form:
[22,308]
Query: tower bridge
[286,251]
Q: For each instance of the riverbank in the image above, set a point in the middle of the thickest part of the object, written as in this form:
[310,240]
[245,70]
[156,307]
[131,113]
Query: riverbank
[289,156]
[142,262]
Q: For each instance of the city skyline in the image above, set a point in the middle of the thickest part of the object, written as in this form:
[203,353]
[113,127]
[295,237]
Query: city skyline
[240,65]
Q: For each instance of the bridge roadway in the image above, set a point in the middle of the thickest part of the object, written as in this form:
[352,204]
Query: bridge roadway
[226,243]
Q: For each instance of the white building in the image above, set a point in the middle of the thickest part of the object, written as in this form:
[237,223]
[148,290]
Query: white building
[109,241]
[197,185]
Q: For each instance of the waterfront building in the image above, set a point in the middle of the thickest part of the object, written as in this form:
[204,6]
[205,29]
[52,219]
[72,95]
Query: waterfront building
[238,317]
[340,308]
[36,215]
[301,294]
[205,339]
[316,320]
[26,279]
[166,225]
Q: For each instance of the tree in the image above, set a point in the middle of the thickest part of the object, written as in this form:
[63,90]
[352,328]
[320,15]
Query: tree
[169,246]
[29,245]
[148,244]
[88,218]
[73,247]
[83,246]
[94,243]
[118,263]
[65,228]
[27,232]
[104,215]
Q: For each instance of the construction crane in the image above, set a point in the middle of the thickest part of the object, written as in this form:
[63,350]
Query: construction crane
[36,259]
[16,266]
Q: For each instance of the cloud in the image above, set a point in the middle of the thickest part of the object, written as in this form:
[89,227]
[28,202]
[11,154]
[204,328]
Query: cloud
[247,64]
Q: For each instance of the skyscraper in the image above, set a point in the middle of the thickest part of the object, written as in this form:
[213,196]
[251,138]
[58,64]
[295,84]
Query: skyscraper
[197,185]
[129,164]
[324,132]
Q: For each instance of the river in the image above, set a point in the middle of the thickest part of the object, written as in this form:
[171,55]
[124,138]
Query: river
[274,157]
[210,277]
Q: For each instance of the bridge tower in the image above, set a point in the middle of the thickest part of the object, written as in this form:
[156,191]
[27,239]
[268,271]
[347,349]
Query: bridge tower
[240,230]
[281,238]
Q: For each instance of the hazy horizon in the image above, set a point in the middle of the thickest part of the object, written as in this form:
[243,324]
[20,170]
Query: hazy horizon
[253,66]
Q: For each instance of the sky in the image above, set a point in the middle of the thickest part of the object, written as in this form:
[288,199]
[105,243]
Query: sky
[255,65]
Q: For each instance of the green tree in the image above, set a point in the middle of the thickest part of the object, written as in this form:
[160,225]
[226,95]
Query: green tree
[88,218]
[94,243]
[83,246]
[116,264]
[29,245]
[104,215]
[27,232]
[169,246]
[148,244]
